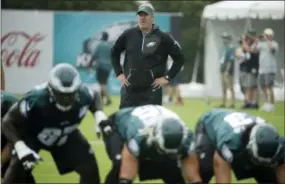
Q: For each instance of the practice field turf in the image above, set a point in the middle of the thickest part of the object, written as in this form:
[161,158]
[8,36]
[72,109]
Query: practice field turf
[46,171]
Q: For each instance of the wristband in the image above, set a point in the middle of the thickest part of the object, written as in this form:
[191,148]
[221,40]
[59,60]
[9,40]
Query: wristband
[125,181]
[20,145]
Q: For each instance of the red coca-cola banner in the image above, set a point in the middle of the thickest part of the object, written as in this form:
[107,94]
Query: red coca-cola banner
[20,48]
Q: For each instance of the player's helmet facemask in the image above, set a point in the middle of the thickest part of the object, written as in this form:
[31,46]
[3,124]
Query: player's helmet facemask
[264,145]
[63,85]
[169,135]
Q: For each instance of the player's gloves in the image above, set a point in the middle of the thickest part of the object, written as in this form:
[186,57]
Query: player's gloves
[27,156]
[106,126]
[99,117]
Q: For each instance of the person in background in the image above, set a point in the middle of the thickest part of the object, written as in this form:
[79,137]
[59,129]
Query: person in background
[146,51]
[267,67]
[240,58]
[227,69]
[143,73]
[172,88]
[102,57]
[249,70]
[2,78]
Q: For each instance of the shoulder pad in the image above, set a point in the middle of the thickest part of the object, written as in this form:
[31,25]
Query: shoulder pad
[89,90]
[86,92]
[34,98]
[7,97]
[40,86]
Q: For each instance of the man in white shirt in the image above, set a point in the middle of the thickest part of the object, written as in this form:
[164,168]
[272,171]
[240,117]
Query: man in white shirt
[267,67]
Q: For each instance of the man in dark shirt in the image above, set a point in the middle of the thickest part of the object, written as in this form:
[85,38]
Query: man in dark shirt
[249,70]
[146,50]
[143,75]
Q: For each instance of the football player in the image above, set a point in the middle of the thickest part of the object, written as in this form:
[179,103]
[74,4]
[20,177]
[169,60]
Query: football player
[156,144]
[7,100]
[47,118]
[227,140]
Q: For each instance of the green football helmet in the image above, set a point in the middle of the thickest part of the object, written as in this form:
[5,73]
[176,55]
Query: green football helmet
[169,135]
[64,82]
[264,144]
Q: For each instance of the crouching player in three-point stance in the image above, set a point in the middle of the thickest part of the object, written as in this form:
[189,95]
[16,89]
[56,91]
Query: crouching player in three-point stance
[47,118]
[228,140]
[156,142]
[7,100]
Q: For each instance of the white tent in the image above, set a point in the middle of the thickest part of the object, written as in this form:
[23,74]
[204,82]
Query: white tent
[235,17]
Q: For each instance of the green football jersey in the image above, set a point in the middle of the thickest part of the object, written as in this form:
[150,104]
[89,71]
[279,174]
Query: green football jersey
[133,123]
[46,122]
[102,54]
[7,100]
[225,128]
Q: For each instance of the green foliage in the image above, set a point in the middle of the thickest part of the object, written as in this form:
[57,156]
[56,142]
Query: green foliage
[190,26]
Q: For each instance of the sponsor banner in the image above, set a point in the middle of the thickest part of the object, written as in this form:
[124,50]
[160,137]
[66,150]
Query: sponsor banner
[76,36]
[26,48]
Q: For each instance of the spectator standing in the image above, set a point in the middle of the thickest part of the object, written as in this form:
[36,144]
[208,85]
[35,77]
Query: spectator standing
[227,69]
[249,70]
[268,49]
[240,58]
[172,88]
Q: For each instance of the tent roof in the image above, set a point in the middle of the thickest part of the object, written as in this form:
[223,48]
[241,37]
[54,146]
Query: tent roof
[244,9]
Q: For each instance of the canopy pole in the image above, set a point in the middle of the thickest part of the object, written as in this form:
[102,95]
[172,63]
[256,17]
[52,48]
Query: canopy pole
[248,25]
[198,51]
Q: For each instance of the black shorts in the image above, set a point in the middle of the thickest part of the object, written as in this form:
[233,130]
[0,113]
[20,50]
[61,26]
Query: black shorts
[102,75]
[129,98]
[74,153]
[169,171]
[176,80]
[205,150]
[148,170]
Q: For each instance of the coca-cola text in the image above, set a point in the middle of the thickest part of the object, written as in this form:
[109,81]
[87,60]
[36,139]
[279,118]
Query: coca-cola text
[19,48]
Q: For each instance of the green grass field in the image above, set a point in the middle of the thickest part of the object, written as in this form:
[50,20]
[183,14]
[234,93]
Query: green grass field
[46,171]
